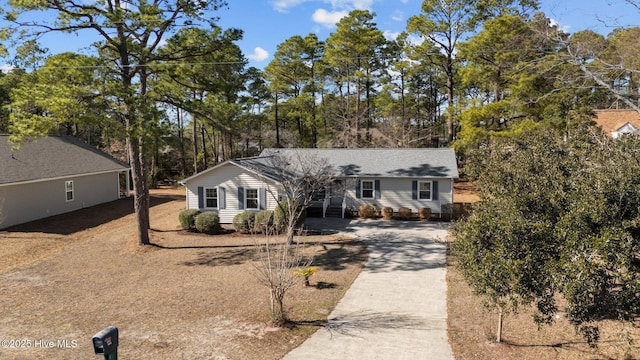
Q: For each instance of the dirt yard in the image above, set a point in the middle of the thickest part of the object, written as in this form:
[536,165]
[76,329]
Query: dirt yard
[190,296]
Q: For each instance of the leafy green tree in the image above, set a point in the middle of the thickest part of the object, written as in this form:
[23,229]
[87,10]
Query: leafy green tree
[63,95]
[559,216]
[444,23]
[353,55]
[130,35]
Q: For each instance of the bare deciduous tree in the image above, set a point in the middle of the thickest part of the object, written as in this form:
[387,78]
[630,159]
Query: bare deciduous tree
[299,176]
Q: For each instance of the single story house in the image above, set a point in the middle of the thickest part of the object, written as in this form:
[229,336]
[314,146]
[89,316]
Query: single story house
[55,175]
[413,178]
[617,123]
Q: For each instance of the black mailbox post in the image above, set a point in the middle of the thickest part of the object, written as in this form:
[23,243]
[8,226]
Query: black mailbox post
[106,343]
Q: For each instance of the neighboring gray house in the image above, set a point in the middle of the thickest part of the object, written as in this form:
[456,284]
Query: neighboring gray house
[55,175]
[413,178]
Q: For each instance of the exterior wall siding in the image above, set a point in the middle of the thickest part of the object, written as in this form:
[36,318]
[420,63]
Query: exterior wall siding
[26,202]
[230,177]
[397,193]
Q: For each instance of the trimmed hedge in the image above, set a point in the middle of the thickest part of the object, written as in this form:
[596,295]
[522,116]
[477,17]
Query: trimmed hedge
[208,222]
[367,211]
[281,214]
[243,222]
[188,219]
[424,213]
[387,212]
[263,222]
[404,213]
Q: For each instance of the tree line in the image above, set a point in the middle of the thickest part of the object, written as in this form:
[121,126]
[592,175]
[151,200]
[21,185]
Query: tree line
[167,89]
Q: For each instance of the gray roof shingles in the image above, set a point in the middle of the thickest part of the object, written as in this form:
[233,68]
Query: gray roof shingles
[52,157]
[376,162]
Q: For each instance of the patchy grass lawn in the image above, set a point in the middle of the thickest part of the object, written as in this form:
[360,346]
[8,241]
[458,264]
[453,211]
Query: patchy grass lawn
[190,296]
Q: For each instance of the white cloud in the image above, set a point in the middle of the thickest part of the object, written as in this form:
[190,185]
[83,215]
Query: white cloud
[6,68]
[397,16]
[564,28]
[328,18]
[284,5]
[390,35]
[259,54]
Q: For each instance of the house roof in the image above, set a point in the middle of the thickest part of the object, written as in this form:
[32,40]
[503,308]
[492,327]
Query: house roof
[52,157]
[612,120]
[377,162]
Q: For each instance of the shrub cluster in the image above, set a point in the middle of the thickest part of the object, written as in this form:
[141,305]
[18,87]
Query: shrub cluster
[263,222]
[424,213]
[244,222]
[387,212]
[187,219]
[208,222]
[281,216]
[404,213]
[366,211]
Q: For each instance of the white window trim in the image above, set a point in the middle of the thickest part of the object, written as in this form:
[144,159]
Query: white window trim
[373,189]
[246,199]
[66,191]
[204,196]
[430,190]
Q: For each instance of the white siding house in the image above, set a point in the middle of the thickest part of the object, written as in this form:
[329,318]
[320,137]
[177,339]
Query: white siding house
[55,175]
[229,189]
[413,178]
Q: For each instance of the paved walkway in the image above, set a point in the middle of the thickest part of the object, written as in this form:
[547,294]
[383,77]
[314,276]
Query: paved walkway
[396,308]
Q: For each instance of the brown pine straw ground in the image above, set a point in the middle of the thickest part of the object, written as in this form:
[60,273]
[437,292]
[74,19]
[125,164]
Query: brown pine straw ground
[191,296]
[472,327]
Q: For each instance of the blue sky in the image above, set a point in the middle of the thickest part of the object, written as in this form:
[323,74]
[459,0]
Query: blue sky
[267,23]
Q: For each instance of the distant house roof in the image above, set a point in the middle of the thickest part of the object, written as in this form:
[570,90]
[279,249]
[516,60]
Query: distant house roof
[52,157]
[377,162]
[612,121]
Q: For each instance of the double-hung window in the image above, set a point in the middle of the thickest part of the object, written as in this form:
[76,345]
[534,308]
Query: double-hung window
[251,199]
[367,189]
[68,187]
[424,190]
[211,198]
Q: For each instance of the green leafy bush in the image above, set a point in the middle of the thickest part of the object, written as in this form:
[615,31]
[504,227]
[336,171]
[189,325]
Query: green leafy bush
[387,212]
[367,211]
[188,219]
[281,214]
[263,222]
[208,222]
[404,213]
[243,222]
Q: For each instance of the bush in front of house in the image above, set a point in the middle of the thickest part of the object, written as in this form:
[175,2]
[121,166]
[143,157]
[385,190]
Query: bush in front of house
[243,222]
[367,211]
[281,214]
[387,212]
[263,222]
[424,213]
[188,219]
[404,213]
[208,222]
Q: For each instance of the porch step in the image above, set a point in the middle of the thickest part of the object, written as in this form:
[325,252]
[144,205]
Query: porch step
[334,211]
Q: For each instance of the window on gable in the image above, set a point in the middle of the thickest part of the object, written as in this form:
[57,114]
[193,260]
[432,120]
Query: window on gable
[424,190]
[211,197]
[366,188]
[251,199]
[68,186]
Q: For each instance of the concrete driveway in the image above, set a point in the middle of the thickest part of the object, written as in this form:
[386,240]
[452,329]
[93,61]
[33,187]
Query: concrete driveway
[396,308]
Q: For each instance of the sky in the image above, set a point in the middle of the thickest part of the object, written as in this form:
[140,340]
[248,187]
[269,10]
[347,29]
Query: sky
[267,23]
